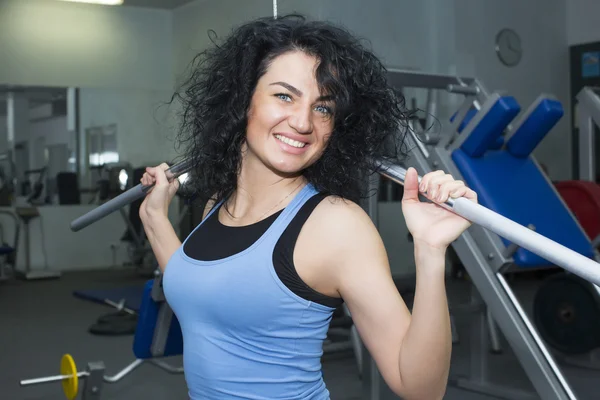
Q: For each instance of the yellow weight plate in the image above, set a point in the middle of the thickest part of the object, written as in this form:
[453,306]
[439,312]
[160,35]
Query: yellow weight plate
[70,385]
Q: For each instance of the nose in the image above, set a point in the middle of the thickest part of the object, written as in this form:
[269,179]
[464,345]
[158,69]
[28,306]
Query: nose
[301,120]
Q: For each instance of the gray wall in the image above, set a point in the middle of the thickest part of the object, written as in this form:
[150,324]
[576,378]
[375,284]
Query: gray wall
[582,21]
[54,43]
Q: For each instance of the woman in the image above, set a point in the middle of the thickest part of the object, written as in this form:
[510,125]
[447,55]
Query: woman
[282,120]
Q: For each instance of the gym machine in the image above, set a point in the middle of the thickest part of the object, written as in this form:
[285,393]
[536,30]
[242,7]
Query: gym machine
[566,308]
[489,150]
[157,336]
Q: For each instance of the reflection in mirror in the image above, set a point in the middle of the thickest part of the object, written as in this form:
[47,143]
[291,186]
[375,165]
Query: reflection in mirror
[38,143]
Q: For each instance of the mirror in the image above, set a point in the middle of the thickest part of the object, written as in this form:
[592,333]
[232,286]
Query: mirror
[38,141]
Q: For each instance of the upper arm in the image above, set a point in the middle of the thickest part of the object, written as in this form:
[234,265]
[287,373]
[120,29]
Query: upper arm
[364,281]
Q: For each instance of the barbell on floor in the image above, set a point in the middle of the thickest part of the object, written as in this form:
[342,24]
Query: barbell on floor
[93,375]
[69,376]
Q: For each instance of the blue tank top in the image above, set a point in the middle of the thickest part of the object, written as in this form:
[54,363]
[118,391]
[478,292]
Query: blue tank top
[245,334]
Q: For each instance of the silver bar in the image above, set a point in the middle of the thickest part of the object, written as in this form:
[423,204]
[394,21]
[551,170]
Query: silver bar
[50,379]
[404,78]
[129,196]
[460,89]
[516,233]
[587,139]
[452,131]
[532,355]
[119,375]
[590,98]
[513,247]
[588,113]
[546,356]
[167,367]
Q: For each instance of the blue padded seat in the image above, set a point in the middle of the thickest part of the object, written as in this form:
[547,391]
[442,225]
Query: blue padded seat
[515,187]
[147,323]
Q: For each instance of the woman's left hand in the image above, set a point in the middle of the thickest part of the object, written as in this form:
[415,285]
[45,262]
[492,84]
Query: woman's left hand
[429,223]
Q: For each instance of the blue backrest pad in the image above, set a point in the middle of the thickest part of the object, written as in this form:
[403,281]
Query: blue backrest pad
[531,132]
[497,144]
[491,126]
[515,188]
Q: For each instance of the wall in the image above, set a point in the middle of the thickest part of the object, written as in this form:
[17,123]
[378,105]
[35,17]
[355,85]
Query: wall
[192,22]
[53,43]
[582,21]
[544,67]
[144,134]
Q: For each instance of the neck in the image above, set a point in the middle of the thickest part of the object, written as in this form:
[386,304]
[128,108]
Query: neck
[260,192]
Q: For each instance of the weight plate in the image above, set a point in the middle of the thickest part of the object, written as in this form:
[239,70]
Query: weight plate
[70,385]
[567,314]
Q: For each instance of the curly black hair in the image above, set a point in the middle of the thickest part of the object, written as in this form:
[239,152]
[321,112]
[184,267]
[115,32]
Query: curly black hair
[369,118]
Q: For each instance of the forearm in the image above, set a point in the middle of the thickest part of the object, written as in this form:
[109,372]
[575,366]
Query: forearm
[426,348]
[162,237]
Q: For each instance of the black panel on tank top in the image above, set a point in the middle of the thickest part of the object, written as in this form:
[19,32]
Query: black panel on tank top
[214,241]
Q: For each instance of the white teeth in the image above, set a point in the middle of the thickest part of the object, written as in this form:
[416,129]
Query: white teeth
[289,141]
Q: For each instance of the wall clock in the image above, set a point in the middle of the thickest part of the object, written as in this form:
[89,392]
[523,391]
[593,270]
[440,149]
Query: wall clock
[508,47]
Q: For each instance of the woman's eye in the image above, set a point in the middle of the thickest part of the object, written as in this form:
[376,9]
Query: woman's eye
[284,96]
[323,109]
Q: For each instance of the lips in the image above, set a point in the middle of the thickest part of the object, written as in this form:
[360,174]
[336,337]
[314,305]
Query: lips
[291,140]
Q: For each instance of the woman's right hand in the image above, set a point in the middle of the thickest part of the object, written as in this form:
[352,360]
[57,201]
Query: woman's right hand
[156,203]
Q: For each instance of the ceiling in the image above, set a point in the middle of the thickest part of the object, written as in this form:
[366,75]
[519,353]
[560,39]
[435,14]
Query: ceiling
[165,4]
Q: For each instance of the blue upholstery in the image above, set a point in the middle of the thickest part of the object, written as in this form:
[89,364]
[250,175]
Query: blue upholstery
[487,132]
[497,144]
[541,120]
[144,332]
[515,187]
[468,117]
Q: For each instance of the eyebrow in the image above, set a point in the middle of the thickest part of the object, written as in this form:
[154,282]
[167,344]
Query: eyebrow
[298,92]
[289,87]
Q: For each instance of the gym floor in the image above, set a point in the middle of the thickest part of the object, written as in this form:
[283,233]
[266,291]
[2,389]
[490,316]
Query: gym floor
[42,320]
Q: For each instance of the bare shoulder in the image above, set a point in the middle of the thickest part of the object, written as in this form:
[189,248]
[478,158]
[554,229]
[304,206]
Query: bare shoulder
[338,243]
[345,217]
[345,229]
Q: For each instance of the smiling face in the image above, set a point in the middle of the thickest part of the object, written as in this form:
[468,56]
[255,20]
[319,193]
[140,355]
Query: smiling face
[289,121]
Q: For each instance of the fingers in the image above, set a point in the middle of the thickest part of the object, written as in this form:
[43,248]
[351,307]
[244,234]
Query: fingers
[411,185]
[155,175]
[439,187]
